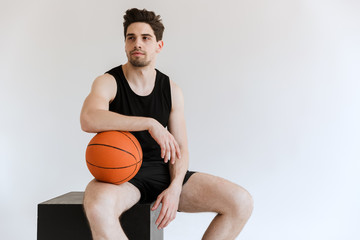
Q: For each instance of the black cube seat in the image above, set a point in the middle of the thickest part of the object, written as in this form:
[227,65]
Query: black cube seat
[63,218]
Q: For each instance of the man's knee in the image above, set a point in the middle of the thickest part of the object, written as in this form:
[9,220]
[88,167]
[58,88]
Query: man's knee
[106,200]
[242,203]
[97,206]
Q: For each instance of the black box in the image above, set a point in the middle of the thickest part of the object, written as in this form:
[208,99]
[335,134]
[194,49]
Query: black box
[63,218]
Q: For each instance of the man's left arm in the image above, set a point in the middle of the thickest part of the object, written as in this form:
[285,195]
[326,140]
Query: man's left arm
[177,127]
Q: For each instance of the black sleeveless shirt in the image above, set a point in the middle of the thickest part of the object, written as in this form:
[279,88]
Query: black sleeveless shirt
[156,105]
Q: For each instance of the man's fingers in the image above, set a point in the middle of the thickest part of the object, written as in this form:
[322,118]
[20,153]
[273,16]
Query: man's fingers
[168,218]
[157,203]
[173,153]
[177,149]
[170,149]
[163,150]
[161,217]
[165,220]
[167,153]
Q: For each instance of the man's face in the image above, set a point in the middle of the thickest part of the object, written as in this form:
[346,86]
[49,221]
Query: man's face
[141,46]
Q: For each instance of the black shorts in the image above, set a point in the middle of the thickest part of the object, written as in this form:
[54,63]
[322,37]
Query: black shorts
[152,179]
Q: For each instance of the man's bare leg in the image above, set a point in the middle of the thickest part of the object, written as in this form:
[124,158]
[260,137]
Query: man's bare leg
[232,203]
[104,203]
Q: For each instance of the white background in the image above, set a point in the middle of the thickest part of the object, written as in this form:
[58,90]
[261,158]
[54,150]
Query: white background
[271,95]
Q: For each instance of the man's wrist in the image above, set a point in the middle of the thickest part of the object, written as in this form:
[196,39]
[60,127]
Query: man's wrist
[150,123]
[177,182]
[177,186]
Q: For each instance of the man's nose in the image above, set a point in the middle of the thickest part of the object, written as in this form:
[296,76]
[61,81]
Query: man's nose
[137,43]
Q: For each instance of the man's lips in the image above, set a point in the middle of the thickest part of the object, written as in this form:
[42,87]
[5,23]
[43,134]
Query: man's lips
[136,53]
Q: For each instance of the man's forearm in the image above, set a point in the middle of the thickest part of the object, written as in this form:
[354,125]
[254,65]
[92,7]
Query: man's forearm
[103,120]
[179,168]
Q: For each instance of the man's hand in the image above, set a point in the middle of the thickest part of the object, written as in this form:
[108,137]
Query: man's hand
[166,141]
[170,202]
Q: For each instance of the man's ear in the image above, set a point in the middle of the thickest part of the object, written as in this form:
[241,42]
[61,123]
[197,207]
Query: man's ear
[160,45]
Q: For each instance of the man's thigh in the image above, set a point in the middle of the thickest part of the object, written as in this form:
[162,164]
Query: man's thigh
[207,193]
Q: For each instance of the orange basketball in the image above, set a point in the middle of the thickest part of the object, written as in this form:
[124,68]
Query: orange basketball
[114,156]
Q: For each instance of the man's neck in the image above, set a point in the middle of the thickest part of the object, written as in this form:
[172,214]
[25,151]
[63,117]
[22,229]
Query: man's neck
[139,76]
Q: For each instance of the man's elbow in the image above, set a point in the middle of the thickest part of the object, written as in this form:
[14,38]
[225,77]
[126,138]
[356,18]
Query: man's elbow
[86,123]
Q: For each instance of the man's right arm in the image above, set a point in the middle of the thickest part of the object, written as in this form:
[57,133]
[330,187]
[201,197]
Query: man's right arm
[96,117]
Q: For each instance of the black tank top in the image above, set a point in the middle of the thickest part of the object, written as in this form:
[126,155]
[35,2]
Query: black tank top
[156,105]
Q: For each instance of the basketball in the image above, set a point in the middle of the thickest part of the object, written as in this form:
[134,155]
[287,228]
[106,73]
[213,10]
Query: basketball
[114,156]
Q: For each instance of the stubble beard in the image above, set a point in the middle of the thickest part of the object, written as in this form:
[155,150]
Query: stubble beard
[139,62]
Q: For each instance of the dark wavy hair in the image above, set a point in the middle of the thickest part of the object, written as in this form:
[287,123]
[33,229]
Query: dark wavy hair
[135,15]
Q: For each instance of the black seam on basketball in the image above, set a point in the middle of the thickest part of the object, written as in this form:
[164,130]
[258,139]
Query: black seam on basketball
[140,158]
[132,141]
[125,179]
[131,175]
[112,167]
[105,145]
[136,169]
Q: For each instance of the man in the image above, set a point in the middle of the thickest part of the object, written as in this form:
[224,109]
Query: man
[137,97]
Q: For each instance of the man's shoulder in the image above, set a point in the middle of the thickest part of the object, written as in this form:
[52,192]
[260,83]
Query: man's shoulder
[174,85]
[176,93]
[106,81]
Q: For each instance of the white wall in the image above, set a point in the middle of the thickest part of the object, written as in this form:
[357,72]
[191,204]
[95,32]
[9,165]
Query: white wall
[272,103]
